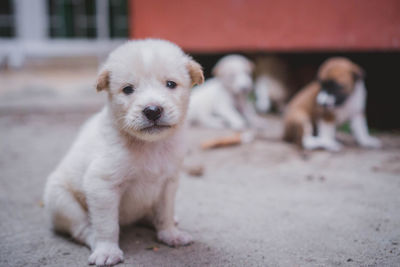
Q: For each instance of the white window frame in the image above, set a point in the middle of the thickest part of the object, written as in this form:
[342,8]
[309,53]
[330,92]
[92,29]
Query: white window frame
[32,39]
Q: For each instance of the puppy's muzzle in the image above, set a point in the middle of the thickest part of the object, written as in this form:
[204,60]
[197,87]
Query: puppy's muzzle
[153,113]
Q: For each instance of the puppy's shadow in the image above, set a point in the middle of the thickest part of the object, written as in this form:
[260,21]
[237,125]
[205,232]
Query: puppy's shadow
[141,247]
[137,236]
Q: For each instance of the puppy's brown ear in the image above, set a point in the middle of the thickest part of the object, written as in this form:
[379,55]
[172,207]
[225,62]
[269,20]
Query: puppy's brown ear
[358,72]
[103,81]
[195,72]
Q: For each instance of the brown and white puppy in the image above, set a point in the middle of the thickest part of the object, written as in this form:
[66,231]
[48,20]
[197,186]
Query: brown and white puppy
[338,95]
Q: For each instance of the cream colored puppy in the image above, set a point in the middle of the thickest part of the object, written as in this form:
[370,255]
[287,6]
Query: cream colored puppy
[124,164]
[222,101]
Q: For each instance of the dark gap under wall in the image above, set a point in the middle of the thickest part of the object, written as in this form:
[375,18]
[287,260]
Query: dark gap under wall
[382,79]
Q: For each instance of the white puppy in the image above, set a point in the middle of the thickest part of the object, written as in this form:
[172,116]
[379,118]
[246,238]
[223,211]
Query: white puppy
[271,86]
[124,164]
[223,100]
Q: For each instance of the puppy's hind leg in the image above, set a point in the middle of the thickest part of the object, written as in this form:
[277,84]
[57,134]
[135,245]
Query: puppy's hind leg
[299,130]
[67,214]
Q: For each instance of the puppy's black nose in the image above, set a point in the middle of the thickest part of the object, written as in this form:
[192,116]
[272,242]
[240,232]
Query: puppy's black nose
[153,113]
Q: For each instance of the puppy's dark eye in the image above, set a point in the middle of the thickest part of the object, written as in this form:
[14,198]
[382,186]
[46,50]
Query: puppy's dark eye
[171,84]
[128,89]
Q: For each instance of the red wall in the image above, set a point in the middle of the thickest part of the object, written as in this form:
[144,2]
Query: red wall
[280,25]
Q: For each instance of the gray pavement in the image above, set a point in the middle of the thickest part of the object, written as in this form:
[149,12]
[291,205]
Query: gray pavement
[259,204]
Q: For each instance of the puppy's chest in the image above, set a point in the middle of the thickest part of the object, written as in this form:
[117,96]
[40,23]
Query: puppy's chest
[151,165]
[145,177]
[353,105]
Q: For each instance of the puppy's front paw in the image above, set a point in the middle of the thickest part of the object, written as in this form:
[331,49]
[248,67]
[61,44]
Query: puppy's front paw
[335,147]
[371,142]
[174,237]
[106,254]
[332,145]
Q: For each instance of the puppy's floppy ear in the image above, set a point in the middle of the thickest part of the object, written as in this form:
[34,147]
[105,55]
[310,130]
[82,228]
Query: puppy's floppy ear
[358,72]
[195,72]
[103,81]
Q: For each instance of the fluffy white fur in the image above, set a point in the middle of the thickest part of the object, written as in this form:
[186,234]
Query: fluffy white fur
[353,110]
[124,167]
[222,101]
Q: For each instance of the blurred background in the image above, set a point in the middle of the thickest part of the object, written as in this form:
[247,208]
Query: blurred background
[53,35]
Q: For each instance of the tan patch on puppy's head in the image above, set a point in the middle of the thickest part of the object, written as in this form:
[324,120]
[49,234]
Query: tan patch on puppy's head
[342,71]
[195,72]
[103,81]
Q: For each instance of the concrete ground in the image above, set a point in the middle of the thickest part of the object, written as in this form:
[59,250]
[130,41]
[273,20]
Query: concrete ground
[259,204]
